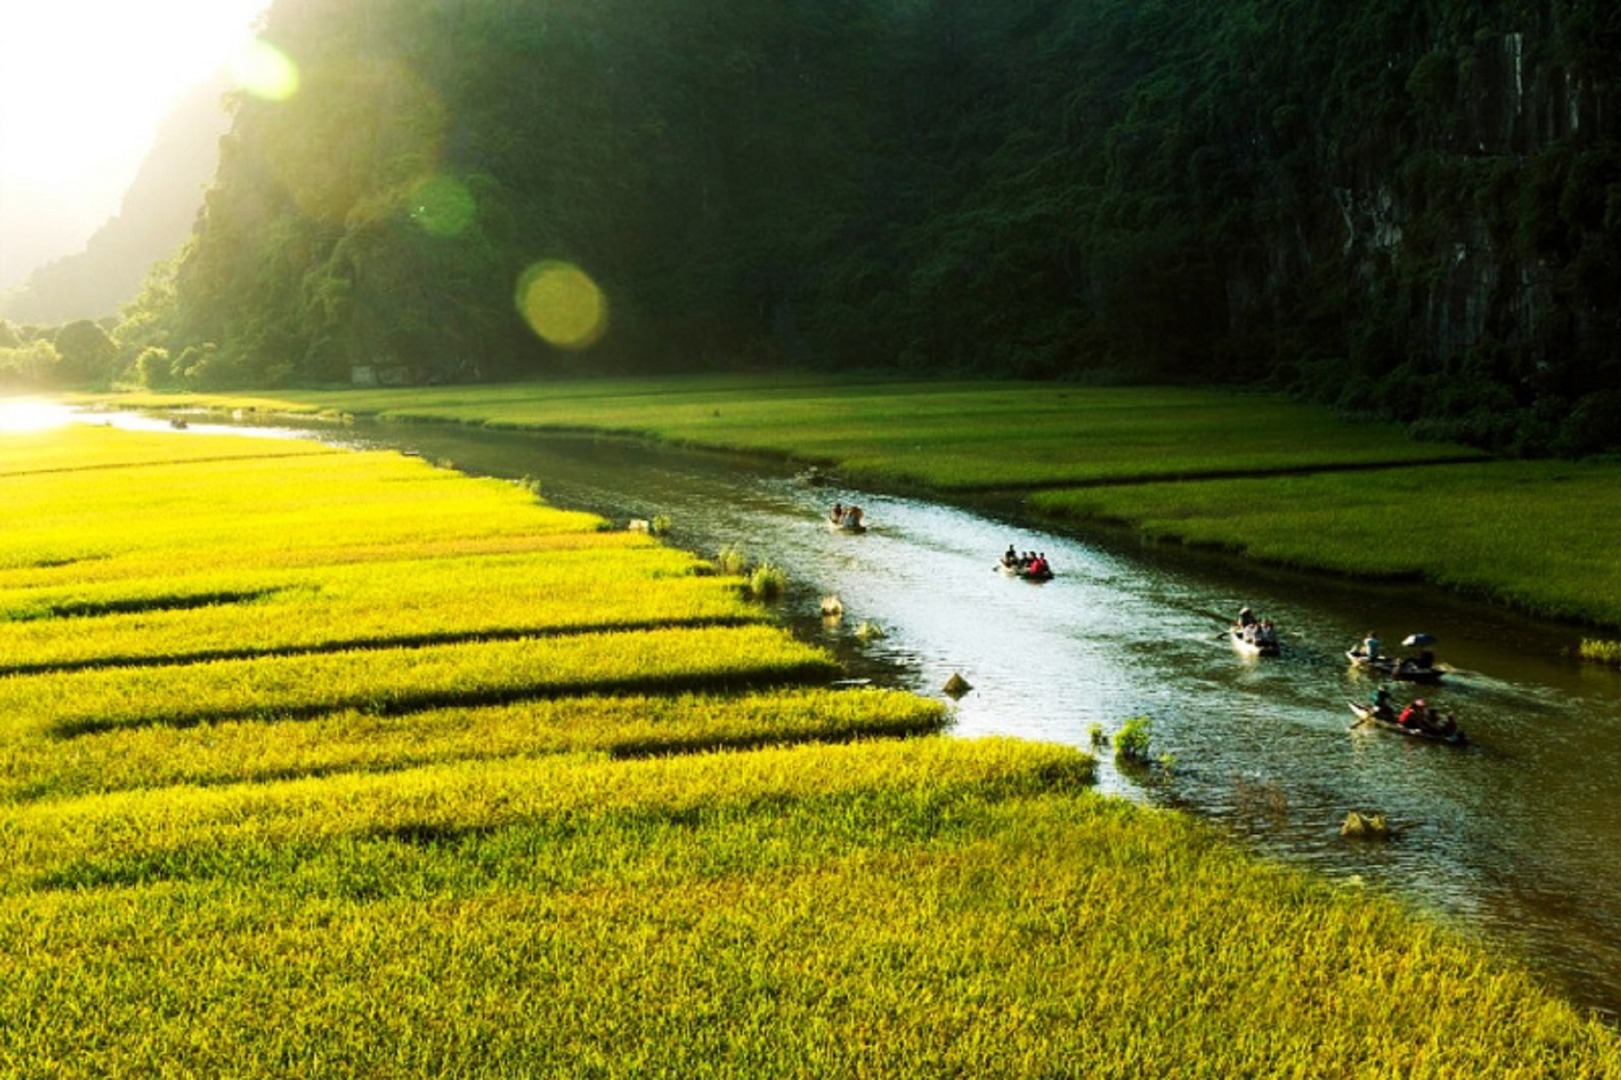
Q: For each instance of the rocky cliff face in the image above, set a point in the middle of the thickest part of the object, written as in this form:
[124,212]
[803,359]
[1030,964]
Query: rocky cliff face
[1492,237]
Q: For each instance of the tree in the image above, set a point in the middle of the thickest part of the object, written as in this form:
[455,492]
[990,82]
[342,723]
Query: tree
[87,351]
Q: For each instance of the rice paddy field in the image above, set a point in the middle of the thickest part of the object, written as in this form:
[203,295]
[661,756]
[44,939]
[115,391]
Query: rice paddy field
[1540,536]
[962,436]
[1268,478]
[336,763]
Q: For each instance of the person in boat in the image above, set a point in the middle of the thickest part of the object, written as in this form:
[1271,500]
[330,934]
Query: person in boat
[1038,565]
[1246,618]
[1416,715]
[836,515]
[1010,557]
[852,517]
[1369,647]
[1383,707]
[1266,633]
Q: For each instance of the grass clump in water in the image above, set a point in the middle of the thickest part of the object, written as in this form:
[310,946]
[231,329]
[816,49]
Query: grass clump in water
[1603,652]
[768,582]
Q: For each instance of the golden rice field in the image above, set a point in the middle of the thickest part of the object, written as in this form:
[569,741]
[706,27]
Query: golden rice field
[339,764]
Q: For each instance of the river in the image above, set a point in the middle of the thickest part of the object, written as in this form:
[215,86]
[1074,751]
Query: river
[1515,839]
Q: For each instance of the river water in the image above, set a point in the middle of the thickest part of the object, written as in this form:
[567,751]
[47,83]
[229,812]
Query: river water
[1515,839]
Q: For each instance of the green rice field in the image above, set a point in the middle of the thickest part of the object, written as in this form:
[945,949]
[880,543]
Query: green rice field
[947,436]
[1537,535]
[340,764]
[1265,477]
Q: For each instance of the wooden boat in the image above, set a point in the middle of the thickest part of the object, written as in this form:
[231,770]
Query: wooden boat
[1251,648]
[1022,574]
[1391,668]
[1366,716]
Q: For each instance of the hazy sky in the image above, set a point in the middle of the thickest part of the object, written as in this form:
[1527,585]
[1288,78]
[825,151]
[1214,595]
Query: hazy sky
[83,87]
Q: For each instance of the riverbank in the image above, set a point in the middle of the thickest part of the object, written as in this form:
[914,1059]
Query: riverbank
[332,761]
[1266,478]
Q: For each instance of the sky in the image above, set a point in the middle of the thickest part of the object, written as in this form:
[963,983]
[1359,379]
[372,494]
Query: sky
[84,85]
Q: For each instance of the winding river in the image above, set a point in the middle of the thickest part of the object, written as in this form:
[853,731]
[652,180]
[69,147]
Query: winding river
[1516,838]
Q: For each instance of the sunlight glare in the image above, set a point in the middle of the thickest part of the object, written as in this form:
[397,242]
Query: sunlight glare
[563,305]
[19,416]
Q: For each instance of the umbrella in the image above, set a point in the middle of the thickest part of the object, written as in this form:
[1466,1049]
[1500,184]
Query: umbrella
[1418,639]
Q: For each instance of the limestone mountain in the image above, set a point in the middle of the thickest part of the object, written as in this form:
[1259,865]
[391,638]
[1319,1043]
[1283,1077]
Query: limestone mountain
[156,215]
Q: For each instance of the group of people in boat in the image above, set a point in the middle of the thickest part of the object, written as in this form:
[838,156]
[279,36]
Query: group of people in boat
[846,517]
[1369,651]
[1256,631]
[1419,715]
[1027,563]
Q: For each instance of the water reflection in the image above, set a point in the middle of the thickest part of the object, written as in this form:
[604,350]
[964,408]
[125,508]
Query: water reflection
[1515,836]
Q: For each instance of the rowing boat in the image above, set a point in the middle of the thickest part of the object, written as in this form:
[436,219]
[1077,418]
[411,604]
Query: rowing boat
[1366,716]
[1021,573]
[1252,648]
[1390,668]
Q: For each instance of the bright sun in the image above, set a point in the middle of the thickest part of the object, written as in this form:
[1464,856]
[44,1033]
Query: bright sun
[84,85]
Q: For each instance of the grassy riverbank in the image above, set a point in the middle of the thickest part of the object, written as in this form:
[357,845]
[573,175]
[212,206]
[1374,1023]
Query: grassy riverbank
[1275,480]
[335,763]
[1539,536]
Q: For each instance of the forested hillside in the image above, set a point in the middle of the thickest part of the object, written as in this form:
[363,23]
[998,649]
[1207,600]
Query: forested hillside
[1401,206]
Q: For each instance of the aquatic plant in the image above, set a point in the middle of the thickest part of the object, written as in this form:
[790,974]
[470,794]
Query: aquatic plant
[869,631]
[1604,652]
[767,582]
[731,561]
[1133,740]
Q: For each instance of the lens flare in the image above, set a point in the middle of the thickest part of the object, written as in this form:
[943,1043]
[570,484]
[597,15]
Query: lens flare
[265,71]
[442,205]
[563,305]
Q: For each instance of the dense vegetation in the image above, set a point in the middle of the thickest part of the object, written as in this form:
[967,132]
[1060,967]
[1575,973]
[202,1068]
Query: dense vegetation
[290,785]
[1408,209]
